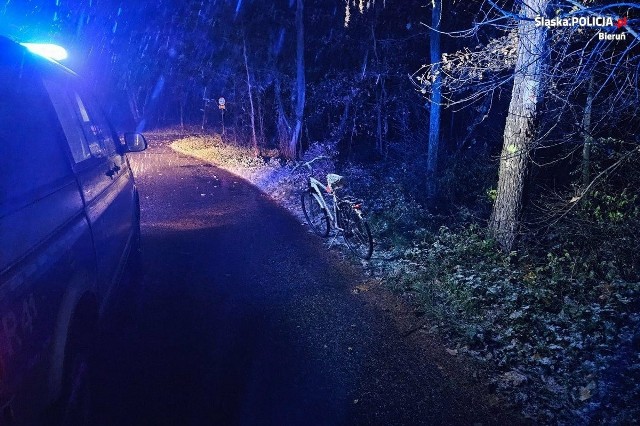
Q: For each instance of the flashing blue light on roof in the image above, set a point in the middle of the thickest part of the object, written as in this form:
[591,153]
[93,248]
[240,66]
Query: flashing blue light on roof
[48,50]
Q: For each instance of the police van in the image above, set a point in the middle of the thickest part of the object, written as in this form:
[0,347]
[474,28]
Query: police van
[69,223]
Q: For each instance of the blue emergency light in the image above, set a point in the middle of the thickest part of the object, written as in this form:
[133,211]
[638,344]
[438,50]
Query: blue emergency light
[48,50]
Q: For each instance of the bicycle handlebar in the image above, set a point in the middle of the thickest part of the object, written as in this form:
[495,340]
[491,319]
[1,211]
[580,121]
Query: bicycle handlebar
[308,163]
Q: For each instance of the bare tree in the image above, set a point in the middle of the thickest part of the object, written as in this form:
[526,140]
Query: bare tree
[292,150]
[254,139]
[588,137]
[520,131]
[435,99]
[525,59]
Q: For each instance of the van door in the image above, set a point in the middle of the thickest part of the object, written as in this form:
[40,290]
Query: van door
[45,243]
[105,178]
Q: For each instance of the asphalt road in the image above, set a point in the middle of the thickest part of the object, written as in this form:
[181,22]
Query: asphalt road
[243,317]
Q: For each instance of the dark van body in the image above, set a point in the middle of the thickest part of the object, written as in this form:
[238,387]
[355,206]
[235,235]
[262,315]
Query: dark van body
[69,219]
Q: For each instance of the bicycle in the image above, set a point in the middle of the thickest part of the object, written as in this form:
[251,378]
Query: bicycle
[345,214]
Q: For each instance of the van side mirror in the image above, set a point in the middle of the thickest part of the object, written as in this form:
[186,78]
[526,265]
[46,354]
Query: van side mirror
[134,142]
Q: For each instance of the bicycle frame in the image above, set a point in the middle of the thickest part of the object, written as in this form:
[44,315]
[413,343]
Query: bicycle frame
[340,216]
[318,189]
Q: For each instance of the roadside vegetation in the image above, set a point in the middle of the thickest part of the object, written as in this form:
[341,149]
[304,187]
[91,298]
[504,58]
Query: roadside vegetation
[556,320]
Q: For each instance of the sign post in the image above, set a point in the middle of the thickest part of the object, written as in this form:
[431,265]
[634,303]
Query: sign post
[221,105]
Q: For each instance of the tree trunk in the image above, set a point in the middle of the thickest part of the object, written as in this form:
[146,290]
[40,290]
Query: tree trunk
[204,108]
[133,106]
[379,142]
[284,129]
[385,120]
[436,100]
[588,139]
[300,83]
[519,131]
[381,127]
[341,130]
[254,139]
[261,135]
[182,102]
[236,117]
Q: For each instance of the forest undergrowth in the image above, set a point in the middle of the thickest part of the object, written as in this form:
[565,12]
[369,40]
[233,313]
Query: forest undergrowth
[557,320]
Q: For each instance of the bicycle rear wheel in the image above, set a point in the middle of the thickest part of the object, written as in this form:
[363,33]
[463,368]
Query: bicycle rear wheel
[316,215]
[357,234]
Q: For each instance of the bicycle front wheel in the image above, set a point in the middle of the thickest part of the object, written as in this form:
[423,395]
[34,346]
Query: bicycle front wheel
[316,215]
[357,235]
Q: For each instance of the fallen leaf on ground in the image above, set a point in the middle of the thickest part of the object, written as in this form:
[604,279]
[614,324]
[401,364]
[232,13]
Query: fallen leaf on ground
[514,378]
[586,391]
[360,288]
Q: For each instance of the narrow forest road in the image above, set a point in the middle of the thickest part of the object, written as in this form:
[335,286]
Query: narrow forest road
[243,317]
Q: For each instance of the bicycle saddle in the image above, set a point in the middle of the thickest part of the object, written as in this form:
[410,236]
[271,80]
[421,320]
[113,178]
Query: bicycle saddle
[335,181]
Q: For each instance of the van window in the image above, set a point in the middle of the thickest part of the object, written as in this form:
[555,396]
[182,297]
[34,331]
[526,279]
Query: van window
[31,140]
[93,138]
[99,129]
[68,115]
